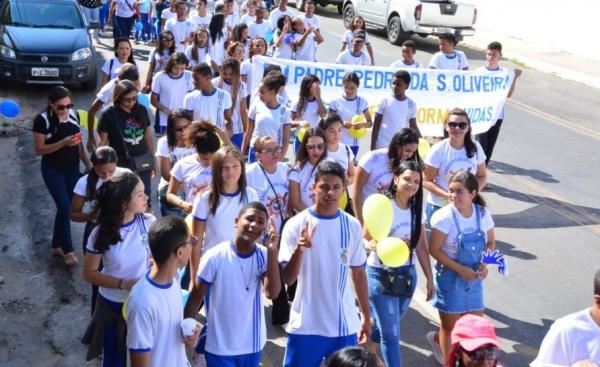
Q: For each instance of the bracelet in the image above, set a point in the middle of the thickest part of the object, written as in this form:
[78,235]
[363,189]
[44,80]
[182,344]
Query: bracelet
[119,285]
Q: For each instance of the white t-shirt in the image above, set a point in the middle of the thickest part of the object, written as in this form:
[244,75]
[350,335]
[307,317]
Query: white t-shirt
[81,188]
[343,155]
[236,117]
[349,35]
[400,64]
[276,202]
[456,61]
[129,258]
[285,50]
[312,21]
[486,69]
[247,19]
[268,121]
[162,150]
[216,50]
[442,221]
[235,316]
[449,161]
[325,303]
[167,15]
[220,227]
[203,55]
[377,165]
[194,177]
[347,109]
[276,13]
[154,315]
[310,113]
[208,106]
[571,338]
[348,58]
[105,94]
[246,69]
[200,22]
[159,59]
[401,228]
[258,29]
[124,8]
[181,30]
[231,20]
[171,91]
[114,70]
[396,114]
[305,178]
[308,50]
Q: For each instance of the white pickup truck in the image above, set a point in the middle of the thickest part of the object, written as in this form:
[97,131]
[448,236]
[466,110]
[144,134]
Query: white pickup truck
[402,18]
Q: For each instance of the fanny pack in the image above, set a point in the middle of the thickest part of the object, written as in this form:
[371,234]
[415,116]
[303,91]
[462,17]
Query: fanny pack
[397,284]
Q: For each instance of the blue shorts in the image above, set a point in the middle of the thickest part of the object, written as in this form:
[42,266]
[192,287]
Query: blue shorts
[251,155]
[311,350]
[456,295]
[242,360]
[237,140]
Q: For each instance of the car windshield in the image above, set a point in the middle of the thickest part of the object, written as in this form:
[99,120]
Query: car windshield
[43,14]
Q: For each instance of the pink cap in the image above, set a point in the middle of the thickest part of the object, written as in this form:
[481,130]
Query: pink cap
[472,332]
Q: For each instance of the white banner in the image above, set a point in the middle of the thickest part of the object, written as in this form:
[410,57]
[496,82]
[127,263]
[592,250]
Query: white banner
[481,93]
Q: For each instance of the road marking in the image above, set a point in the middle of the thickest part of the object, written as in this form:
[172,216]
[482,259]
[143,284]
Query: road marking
[555,118]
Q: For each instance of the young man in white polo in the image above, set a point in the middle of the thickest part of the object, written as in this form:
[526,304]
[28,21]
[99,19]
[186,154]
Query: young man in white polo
[322,249]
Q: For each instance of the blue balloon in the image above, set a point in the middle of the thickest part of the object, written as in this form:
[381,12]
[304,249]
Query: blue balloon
[138,26]
[269,36]
[144,100]
[9,108]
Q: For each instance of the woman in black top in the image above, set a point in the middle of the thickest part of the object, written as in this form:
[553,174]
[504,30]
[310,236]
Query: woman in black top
[124,126]
[57,139]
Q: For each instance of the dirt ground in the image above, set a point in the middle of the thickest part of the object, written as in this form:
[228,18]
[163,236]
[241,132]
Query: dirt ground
[44,306]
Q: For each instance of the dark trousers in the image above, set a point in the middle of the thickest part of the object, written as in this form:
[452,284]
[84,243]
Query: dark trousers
[488,140]
[280,314]
[122,27]
[60,184]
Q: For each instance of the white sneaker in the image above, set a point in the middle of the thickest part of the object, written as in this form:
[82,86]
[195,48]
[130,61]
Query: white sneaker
[198,360]
[435,347]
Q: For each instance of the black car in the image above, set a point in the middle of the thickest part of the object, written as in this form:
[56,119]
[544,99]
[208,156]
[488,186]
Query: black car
[46,42]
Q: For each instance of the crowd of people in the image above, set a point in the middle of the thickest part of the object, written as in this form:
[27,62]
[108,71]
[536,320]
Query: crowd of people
[240,222]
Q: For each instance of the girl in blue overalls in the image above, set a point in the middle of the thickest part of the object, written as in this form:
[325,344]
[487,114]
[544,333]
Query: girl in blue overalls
[460,232]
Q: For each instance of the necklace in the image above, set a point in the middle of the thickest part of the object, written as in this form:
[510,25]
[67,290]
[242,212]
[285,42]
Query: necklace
[247,279]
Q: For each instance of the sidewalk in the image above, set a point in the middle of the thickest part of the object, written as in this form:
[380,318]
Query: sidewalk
[544,58]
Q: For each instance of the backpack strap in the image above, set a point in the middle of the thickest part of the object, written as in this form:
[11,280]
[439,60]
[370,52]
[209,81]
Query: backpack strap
[112,61]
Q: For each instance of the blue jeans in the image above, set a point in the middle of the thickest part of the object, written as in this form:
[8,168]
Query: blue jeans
[387,311]
[104,14]
[429,210]
[90,15]
[144,35]
[110,349]
[122,27]
[60,184]
[311,350]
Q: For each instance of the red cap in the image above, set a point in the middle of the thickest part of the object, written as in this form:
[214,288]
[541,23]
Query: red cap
[472,332]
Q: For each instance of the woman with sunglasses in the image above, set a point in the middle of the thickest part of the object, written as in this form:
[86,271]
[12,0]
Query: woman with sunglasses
[125,127]
[269,177]
[312,151]
[169,150]
[474,343]
[375,169]
[457,152]
[120,242]
[158,57]
[57,138]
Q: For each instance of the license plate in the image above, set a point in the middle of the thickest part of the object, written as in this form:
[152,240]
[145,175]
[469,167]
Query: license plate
[44,72]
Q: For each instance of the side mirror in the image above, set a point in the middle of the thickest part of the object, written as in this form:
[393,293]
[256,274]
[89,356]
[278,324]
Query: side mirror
[94,24]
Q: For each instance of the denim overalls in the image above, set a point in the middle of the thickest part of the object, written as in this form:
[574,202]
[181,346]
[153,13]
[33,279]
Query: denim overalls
[454,294]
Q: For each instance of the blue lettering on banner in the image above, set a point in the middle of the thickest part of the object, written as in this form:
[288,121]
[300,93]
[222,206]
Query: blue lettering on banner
[478,83]
[441,79]
[480,114]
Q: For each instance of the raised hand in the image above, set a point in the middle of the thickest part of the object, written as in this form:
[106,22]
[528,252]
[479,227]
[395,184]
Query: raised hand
[272,240]
[306,236]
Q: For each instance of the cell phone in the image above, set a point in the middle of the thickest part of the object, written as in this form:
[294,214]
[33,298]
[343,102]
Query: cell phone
[78,136]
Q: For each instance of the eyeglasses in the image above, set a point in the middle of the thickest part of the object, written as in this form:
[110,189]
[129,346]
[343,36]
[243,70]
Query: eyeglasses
[129,99]
[168,39]
[193,241]
[320,146]
[62,107]
[459,125]
[275,150]
[487,353]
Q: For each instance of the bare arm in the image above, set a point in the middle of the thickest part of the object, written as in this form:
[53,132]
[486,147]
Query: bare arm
[198,229]
[295,200]
[77,214]
[103,139]
[287,131]
[375,132]
[140,359]
[164,164]
[359,279]
[357,200]
[371,54]
[272,278]
[91,121]
[422,251]
[194,302]
[159,106]
[247,136]
[92,275]
[228,122]
[244,113]
[431,185]
[481,175]
[518,73]
[149,137]
[41,148]
[173,195]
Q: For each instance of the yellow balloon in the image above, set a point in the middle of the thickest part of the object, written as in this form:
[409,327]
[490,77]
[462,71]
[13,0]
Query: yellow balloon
[83,118]
[189,219]
[124,309]
[378,215]
[344,200]
[301,133]
[392,251]
[423,147]
[357,133]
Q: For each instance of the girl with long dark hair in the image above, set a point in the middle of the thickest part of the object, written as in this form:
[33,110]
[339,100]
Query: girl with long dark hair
[197,52]
[217,39]
[123,55]
[158,57]
[309,109]
[230,81]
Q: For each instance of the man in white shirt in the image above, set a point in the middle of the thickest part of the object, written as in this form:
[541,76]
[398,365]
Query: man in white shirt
[309,18]
[182,29]
[259,27]
[355,55]
[573,338]
[232,18]
[321,248]
[278,12]
[200,16]
[250,15]
[155,308]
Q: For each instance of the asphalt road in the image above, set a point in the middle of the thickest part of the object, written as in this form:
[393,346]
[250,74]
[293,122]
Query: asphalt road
[543,197]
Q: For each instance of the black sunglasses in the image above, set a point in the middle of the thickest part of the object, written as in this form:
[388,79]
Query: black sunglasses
[193,241]
[487,353]
[62,107]
[460,125]
[320,146]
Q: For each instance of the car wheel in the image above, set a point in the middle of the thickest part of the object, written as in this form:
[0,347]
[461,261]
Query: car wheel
[348,15]
[300,4]
[395,32]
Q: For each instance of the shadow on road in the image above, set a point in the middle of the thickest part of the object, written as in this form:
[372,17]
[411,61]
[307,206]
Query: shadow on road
[510,250]
[508,169]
